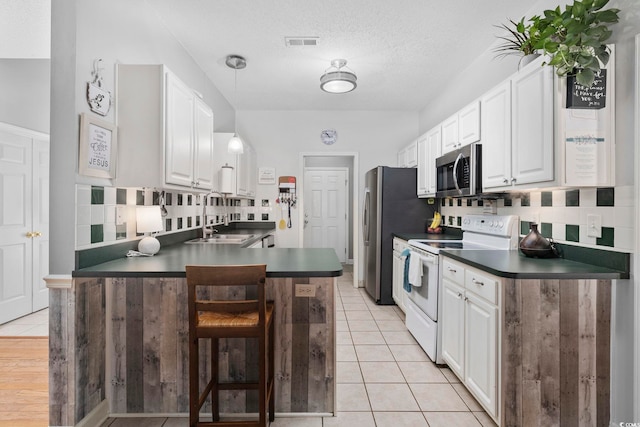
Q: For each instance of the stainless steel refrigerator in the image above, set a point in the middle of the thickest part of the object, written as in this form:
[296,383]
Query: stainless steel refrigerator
[391,205]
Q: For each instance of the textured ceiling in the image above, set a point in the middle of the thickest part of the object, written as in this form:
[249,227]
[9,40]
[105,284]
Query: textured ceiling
[401,50]
[25,28]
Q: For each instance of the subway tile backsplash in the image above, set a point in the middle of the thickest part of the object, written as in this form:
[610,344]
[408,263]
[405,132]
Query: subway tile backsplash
[562,214]
[97,208]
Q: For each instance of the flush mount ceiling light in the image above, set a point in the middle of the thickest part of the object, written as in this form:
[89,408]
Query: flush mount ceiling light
[337,80]
[237,63]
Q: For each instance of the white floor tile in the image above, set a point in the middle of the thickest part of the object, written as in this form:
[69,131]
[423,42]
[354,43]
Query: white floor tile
[352,397]
[381,372]
[438,397]
[363,337]
[297,422]
[350,419]
[373,353]
[408,353]
[448,419]
[400,419]
[391,397]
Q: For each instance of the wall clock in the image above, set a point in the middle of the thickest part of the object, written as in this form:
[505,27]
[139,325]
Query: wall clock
[328,136]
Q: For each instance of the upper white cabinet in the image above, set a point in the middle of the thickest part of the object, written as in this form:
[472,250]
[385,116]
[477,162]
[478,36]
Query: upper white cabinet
[518,131]
[461,128]
[496,136]
[246,174]
[532,125]
[408,156]
[429,146]
[165,132]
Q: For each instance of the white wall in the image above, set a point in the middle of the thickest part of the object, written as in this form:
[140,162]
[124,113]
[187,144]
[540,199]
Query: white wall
[280,136]
[25,88]
[117,31]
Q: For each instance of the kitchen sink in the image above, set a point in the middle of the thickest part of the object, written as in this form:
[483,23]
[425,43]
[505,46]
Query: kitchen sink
[233,239]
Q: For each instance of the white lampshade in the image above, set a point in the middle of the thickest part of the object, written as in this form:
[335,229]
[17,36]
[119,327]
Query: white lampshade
[235,145]
[148,220]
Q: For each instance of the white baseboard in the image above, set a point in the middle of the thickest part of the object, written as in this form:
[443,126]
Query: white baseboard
[96,417]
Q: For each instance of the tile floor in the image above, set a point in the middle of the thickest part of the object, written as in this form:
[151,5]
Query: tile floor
[384,379]
[33,325]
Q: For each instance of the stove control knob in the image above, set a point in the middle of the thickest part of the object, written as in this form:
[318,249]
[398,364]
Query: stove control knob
[500,224]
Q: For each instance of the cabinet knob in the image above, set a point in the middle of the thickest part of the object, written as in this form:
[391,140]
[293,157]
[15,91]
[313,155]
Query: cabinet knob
[37,234]
[452,270]
[513,180]
[505,180]
[30,234]
[459,295]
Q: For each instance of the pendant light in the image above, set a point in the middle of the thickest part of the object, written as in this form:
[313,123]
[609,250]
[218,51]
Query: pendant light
[236,62]
[337,80]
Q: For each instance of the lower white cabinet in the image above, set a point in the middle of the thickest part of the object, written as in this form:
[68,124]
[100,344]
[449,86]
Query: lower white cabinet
[398,293]
[470,331]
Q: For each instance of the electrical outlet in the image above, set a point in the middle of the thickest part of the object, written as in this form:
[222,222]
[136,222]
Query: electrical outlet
[305,290]
[120,215]
[594,226]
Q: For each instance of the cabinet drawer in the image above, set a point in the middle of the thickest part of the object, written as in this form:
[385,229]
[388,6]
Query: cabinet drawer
[399,244]
[482,285]
[452,271]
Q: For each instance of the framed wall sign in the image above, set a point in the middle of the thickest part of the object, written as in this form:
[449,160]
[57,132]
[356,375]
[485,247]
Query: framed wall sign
[98,148]
[266,175]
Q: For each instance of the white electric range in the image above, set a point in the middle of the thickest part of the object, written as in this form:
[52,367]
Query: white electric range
[422,309]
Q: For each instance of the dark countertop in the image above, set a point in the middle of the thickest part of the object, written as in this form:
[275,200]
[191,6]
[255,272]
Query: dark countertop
[171,260]
[512,264]
[449,234]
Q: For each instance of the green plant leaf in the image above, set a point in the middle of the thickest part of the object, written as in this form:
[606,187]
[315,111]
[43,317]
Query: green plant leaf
[599,4]
[579,9]
[609,16]
[585,77]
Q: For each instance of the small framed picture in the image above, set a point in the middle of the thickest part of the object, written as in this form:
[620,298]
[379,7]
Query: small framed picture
[98,148]
[266,175]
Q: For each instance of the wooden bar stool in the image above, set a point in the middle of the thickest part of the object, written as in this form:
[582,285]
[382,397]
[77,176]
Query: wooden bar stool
[217,318]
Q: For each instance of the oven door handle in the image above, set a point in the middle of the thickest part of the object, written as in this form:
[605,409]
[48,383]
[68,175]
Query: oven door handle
[455,172]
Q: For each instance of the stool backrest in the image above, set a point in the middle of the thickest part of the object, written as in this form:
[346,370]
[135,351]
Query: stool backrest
[216,276]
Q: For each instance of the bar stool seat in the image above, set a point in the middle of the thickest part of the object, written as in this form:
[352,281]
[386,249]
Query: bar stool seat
[215,318]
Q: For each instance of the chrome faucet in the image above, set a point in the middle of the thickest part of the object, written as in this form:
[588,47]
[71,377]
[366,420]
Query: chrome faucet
[206,231]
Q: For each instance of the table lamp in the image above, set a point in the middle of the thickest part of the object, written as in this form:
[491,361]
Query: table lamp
[148,220]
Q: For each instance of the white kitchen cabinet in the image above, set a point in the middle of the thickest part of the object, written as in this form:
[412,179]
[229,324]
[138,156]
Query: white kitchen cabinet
[470,330]
[462,128]
[532,126]
[450,134]
[429,146]
[469,124]
[398,292]
[246,174]
[402,158]
[496,136]
[517,131]
[165,132]
[453,326]
[411,155]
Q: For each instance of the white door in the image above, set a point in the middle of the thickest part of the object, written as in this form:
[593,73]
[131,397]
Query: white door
[453,326]
[532,126]
[179,130]
[496,137]
[24,223]
[481,351]
[203,162]
[325,210]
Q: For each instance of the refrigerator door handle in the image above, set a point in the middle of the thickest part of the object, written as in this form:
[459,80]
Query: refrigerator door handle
[365,217]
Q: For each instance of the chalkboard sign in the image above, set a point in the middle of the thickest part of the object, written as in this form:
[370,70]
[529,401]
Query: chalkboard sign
[587,98]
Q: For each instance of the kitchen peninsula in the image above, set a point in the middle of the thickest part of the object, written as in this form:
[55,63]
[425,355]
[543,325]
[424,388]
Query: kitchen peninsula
[118,334]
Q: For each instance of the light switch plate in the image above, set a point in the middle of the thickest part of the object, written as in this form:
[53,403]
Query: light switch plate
[305,290]
[594,226]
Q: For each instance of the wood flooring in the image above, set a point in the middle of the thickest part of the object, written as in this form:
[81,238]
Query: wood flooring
[24,381]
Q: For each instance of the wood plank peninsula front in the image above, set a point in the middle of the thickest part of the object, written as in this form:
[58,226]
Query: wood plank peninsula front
[119,335]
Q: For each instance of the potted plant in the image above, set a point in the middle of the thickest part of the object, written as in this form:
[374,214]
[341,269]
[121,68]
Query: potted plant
[575,39]
[517,40]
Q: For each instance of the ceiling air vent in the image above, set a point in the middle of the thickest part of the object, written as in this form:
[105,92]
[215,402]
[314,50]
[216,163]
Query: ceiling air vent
[301,41]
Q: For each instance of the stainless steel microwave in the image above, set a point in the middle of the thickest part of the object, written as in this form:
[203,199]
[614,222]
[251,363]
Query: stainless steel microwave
[459,172]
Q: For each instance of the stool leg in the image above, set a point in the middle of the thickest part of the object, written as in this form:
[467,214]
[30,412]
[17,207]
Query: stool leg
[262,394]
[272,406]
[215,395]
[193,382]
